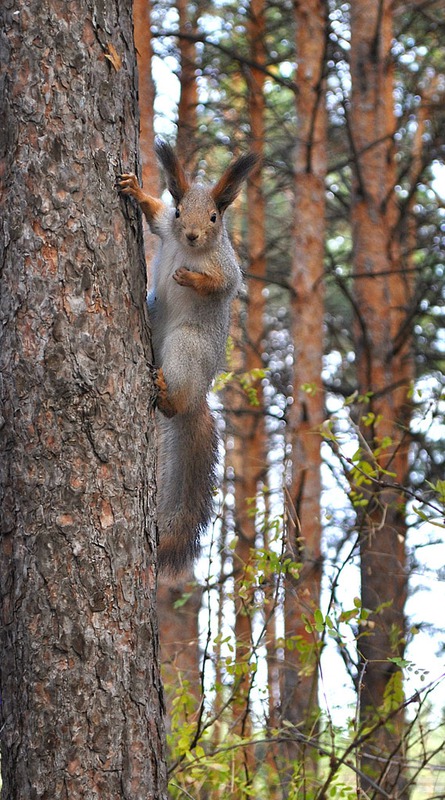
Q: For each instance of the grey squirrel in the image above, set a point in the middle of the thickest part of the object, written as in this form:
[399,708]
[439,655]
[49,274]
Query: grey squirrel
[195,278]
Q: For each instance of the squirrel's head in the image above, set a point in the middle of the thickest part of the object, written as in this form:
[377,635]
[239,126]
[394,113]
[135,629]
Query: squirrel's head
[200,209]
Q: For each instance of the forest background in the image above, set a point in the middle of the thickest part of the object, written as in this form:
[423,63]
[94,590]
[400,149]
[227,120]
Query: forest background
[321,582]
[303,657]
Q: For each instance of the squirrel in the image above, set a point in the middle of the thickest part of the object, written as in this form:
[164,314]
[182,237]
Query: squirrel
[196,276]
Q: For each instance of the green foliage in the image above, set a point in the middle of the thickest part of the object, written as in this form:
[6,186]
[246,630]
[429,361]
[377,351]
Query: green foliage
[215,761]
[212,755]
[245,380]
[212,758]
[394,696]
[181,601]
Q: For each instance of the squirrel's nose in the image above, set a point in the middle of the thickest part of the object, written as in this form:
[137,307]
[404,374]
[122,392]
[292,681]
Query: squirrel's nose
[192,237]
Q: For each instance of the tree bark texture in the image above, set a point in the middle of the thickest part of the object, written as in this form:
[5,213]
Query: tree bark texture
[81,693]
[307,411]
[384,362]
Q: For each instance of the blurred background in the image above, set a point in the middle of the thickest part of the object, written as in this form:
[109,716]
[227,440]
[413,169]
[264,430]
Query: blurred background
[310,636]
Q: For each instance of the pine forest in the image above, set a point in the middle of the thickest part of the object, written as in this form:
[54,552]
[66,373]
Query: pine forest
[303,658]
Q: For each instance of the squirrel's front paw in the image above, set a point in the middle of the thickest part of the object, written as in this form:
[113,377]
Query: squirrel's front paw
[183,277]
[128,184]
[203,283]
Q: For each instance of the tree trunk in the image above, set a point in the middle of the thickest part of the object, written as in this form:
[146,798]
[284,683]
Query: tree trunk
[299,701]
[81,694]
[246,421]
[188,98]
[384,364]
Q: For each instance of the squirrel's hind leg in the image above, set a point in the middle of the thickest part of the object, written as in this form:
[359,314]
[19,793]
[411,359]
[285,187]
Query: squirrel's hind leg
[167,403]
[188,368]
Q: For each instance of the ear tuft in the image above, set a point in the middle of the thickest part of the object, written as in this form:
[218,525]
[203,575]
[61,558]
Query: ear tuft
[226,190]
[176,178]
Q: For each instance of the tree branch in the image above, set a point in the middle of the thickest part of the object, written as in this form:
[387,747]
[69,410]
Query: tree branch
[233,54]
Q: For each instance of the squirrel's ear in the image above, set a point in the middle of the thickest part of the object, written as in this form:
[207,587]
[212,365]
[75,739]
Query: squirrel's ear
[176,178]
[226,190]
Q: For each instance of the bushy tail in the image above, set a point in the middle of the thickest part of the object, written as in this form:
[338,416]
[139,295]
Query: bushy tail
[186,478]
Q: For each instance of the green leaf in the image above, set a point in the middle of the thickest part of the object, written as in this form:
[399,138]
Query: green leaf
[181,601]
[400,662]
[318,616]
[309,388]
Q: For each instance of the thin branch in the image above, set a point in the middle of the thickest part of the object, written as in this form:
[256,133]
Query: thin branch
[233,54]
[343,286]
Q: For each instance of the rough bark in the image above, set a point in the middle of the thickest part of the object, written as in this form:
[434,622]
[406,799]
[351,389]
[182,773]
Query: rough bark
[81,694]
[384,364]
[299,702]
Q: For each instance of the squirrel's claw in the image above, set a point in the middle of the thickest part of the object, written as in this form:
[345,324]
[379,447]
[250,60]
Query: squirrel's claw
[163,401]
[127,183]
[182,276]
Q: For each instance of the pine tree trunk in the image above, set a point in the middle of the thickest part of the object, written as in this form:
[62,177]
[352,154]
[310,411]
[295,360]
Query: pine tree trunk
[299,703]
[246,420]
[188,98]
[81,694]
[384,364]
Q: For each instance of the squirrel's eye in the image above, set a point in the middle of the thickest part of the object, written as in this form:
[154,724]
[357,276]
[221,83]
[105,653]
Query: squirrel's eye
[177,213]
[213,217]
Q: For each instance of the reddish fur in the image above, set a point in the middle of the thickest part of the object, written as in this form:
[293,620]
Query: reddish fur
[150,206]
[164,402]
[201,282]
[170,404]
